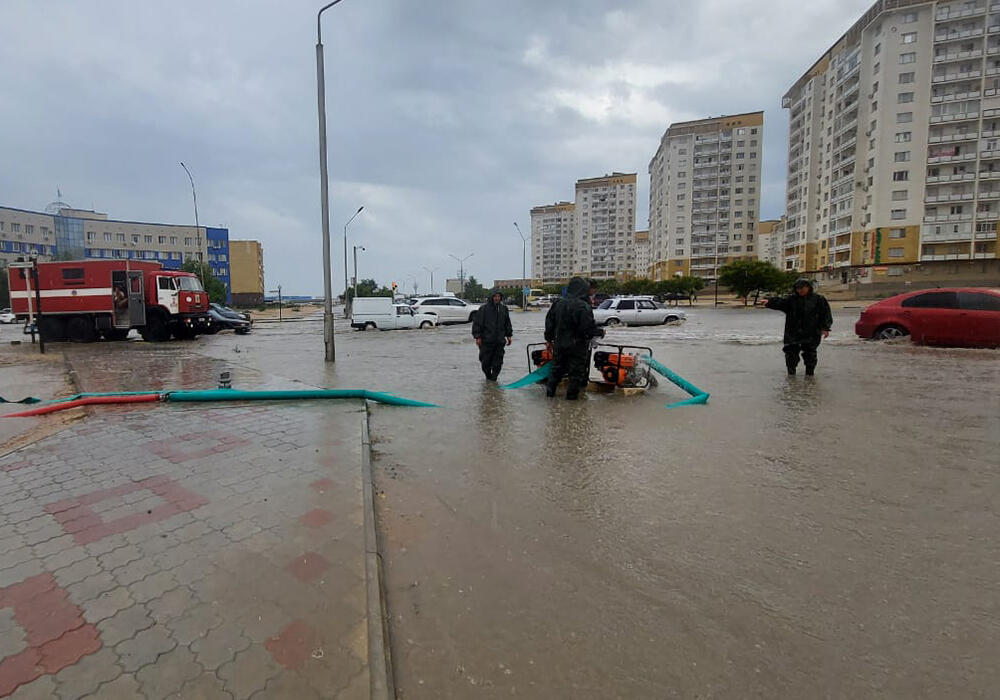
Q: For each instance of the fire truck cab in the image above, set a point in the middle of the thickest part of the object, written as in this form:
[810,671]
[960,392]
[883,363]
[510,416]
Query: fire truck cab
[83,300]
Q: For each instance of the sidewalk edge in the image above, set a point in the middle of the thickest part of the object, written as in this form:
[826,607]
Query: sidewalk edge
[379,654]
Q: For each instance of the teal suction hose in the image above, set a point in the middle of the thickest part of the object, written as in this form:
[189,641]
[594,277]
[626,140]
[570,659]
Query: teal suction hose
[293,394]
[538,375]
[697,395]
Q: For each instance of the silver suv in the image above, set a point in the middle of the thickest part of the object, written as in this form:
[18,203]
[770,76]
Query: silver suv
[447,309]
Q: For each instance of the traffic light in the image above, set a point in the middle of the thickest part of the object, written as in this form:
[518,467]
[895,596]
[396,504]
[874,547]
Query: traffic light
[394,285]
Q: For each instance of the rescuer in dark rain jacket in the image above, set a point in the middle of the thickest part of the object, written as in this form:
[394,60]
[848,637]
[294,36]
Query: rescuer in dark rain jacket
[569,328]
[807,321]
[492,330]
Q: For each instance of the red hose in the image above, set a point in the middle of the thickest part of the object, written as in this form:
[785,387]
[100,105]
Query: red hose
[86,401]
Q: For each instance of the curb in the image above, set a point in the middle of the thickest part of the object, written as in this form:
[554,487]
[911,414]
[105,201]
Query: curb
[379,654]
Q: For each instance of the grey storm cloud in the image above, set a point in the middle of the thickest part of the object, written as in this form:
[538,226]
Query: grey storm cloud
[448,120]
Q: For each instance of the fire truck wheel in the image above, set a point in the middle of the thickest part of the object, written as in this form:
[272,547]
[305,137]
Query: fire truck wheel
[156,330]
[52,329]
[80,329]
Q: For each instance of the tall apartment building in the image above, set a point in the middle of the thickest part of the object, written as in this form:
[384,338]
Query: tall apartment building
[552,242]
[704,194]
[77,234]
[894,139]
[246,260]
[641,254]
[605,226]
[770,240]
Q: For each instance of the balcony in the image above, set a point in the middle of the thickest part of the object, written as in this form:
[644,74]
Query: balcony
[991,154]
[952,13]
[953,197]
[951,138]
[849,126]
[945,218]
[987,215]
[952,77]
[841,248]
[846,144]
[983,256]
[951,97]
[988,194]
[987,175]
[952,159]
[958,56]
[950,118]
[943,37]
[961,256]
[986,236]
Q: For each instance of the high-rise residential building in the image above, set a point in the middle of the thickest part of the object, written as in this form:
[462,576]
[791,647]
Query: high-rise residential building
[605,225]
[704,194]
[770,240]
[552,242]
[894,140]
[641,254]
[246,260]
[64,233]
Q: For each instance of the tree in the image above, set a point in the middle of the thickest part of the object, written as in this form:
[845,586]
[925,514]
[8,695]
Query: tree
[368,288]
[474,291]
[746,276]
[513,295]
[213,285]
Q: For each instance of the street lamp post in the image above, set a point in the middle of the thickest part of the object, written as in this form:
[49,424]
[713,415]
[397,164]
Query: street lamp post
[461,268]
[345,256]
[324,186]
[524,266]
[197,226]
[431,271]
[278,292]
[356,269]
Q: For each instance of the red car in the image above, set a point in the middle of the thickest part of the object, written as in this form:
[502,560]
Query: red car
[956,317]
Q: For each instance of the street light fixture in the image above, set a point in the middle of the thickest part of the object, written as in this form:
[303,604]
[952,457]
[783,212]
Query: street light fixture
[524,266]
[431,271]
[197,227]
[356,269]
[324,186]
[345,256]
[461,268]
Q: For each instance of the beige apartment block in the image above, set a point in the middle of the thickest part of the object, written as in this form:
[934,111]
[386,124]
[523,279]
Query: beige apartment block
[552,242]
[894,140]
[704,195]
[769,241]
[246,262]
[641,253]
[605,226]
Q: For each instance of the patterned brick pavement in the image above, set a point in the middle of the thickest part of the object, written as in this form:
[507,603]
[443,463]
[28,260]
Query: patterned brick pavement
[198,551]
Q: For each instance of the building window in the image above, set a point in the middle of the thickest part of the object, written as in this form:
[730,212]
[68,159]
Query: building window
[909,17]
[897,214]
[909,37]
[897,233]
[28,228]
[135,238]
[900,195]
[907,78]
[902,156]
[904,97]
[910,57]
[15,228]
[895,252]
[904,136]
[904,117]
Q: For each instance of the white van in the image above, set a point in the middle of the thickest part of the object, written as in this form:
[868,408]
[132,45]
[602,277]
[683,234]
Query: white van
[384,314]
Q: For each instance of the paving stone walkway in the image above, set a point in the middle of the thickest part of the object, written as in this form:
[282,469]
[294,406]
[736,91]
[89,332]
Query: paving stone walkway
[195,551]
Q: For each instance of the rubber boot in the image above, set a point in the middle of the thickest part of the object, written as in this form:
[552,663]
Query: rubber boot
[810,370]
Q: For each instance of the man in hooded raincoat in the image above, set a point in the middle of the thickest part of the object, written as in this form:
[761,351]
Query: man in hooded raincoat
[807,321]
[492,330]
[569,328]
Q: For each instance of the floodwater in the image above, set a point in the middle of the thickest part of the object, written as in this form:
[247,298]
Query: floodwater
[829,537]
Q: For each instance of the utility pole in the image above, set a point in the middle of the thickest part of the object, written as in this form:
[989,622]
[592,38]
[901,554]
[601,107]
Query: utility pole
[431,271]
[345,259]
[524,267]
[324,186]
[278,290]
[356,271]
[461,268]
[197,226]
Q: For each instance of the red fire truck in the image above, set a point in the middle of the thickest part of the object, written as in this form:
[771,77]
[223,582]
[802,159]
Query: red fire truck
[86,299]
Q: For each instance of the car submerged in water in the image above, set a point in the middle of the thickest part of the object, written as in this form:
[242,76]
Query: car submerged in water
[635,311]
[226,319]
[955,317]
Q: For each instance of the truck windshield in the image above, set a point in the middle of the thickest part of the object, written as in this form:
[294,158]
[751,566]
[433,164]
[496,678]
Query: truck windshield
[189,284]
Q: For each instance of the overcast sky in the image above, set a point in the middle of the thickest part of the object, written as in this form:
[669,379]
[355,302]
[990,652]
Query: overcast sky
[448,120]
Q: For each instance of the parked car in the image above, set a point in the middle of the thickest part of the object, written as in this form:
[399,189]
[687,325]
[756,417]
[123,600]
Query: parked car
[226,311]
[447,309]
[383,314]
[956,317]
[634,311]
[7,316]
[226,322]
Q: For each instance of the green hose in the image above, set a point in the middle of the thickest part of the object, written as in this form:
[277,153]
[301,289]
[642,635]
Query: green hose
[293,394]
[538,375]
[697,395]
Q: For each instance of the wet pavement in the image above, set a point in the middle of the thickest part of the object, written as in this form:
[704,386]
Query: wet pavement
[823,537]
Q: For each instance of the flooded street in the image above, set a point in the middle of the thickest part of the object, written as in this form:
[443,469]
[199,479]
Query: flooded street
[824,537]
